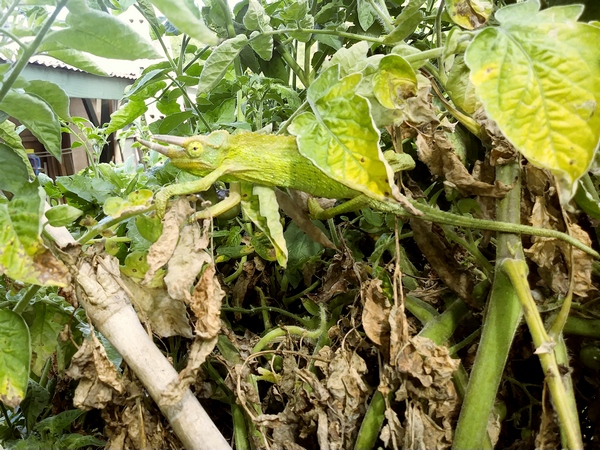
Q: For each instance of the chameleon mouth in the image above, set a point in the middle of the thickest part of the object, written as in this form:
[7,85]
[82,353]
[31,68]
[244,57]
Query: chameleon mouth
[171,152]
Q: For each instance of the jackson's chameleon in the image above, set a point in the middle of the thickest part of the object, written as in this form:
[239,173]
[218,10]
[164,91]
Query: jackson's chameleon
[275,161]
[260,159]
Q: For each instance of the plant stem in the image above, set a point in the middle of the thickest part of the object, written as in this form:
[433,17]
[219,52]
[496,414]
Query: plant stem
[9,11]
[16,70]
[502,318]
[435,215]
[344,34]
[24,302]
[517,272]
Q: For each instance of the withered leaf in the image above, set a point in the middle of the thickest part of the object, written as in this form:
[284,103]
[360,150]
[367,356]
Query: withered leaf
[206,304]
[376,310]
[99,379]
[437,152]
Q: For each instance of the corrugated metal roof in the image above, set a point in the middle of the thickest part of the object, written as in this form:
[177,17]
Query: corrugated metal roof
[131,73]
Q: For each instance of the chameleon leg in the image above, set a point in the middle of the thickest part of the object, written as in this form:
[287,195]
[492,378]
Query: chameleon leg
[190,187]
[317,212]
[232,200]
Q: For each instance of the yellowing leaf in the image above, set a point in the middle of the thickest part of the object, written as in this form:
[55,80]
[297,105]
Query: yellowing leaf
[394,81]
[14,358]
[538,77]
[340,138]
[260,205]
[469,14]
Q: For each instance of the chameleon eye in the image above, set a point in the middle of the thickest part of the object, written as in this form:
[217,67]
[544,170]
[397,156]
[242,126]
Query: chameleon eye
[195,149]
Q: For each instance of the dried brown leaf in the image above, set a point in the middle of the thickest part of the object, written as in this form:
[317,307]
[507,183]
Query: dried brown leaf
[187,260]
[98,378]
[376,311]
[551,254]
[161,251]
[165,315]
[206,304]
[441,256]
[437,152]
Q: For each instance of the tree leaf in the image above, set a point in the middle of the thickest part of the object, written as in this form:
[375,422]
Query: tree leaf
[262,45]
[13,140]
[37,117]
[460,88]
[52,94]
[14,358]
[219,60]
[469,14]
[180,15]
[125,115]
[538,79]
[102,35]
[340,138]
[260,205]
[77,59]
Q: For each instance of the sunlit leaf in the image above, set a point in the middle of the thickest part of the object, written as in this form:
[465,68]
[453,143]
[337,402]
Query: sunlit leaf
[79,60]
[37,117]
[125,115]
[62,215]
[537,77]
[52,94]
[469,14]
[103,35]
[179,14]
[219,60]
[260,205]
[394,82]
[340,137]
[460,88]
[14,358]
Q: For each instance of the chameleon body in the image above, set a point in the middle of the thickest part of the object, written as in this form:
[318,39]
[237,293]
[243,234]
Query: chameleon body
[261,159]
[275,161]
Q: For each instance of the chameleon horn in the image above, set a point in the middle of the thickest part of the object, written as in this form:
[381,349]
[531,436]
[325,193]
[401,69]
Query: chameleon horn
[174,140]
[154,146]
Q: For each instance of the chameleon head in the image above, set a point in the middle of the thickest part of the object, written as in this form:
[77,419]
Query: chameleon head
[196,154]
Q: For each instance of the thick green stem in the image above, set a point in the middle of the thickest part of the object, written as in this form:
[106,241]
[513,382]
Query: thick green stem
[564,406]
[503,315]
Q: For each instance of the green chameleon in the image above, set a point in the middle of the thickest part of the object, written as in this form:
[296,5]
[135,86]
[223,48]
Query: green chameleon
[275,161]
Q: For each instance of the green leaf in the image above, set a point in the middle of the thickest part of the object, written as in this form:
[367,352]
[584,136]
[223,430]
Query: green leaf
[12,139]
[219,60]
[117,206]
[340,137]
[260,205]
[62,215]
[48,323]
[394,82]
[56,98]
[125,115]
[404,29]
[538,79]
[262,45]
[37,117]
[180,15]
[256,17]
[469,14]
[103,35]
[79,60]
[366,14]
[460,88]
[14,358]
[62,421]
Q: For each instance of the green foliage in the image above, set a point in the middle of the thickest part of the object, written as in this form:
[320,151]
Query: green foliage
[537,76]
[348,80]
